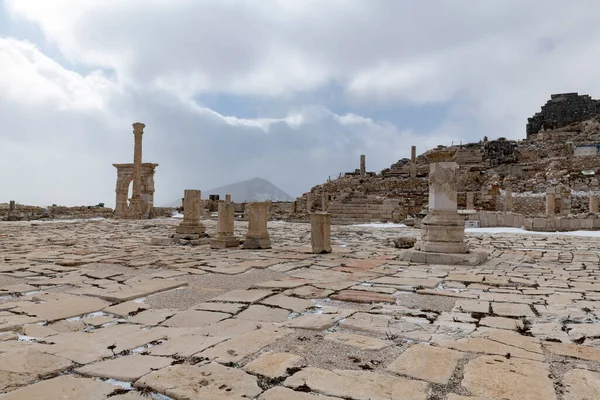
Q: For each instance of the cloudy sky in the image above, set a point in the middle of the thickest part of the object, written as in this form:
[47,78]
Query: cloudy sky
[289,90]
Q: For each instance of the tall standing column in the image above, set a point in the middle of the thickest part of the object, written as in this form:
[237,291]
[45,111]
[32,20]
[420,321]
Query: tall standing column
[413,161]
[227,198]
[136,206]
[363,165]
[309,203]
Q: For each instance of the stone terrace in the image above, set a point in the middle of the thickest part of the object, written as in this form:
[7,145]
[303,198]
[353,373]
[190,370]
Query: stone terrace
[89,310]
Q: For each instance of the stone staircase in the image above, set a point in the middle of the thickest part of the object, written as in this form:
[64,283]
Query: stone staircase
[358,208]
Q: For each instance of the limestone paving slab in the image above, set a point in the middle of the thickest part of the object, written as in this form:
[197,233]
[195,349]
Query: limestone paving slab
[25,367]
[274,365]
[193,318]
[359,341]
[581,384]
[282,393]
[212,381]
[427,363]
[64,387]
[358,385]
[125,369]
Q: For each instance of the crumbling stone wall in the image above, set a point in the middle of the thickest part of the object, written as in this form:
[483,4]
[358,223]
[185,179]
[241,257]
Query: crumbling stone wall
[561,110]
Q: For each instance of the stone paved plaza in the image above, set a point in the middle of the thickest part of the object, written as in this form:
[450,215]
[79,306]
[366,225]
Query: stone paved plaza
[90,310]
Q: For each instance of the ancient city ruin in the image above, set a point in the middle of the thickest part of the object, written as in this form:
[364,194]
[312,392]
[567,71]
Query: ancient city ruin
[370,286]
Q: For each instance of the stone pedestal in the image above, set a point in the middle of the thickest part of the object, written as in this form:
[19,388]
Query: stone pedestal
[443,229]
[12,212]
[224,237]
[320,234]
[470,201]
[593,203]
[227,198]
[191,227]
[258,235]
[363,165]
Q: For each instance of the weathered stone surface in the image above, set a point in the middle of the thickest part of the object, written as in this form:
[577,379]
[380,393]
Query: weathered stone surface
[358,296]
[432,364]
[501,323]
[497,377]
[512,310]
[317,322]
[25,367]
[264,314]
[575,351]
[240,347]
[231,308]
[192,318]
[212,381]
[274,365]
[358,341]
[581,384]
[64,387]
[281,393]
[60,306]
[385,324]
[243,296]
[358,385]
[126,309]
[185,345]
[289,303]
[126,369]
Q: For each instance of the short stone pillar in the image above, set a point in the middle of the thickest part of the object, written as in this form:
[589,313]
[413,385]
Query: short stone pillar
[12,212]
[294,206]
[227,198]
[508,196]
[413,154]
[258,235]
[191,228]
[363,165]
[309,203]
[550,201]
[224,237]
[443,229]
[470,201]
[324,201]
[593,203]
[320,233]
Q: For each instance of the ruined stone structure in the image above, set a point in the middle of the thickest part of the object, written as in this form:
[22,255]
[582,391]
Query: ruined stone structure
[224,237]
[191,228]
[258,235]
[141,177]
[562,110]
[320,233]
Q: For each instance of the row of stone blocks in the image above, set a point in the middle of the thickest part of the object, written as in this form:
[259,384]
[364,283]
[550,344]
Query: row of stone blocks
[549,224]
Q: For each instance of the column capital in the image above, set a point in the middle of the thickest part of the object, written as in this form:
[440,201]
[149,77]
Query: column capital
[138,127]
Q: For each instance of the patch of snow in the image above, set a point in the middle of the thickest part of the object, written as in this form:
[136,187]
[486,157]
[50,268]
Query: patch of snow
[177,215]
[68,221]
[23,338]
[385,225]
[140,300]
[121,384]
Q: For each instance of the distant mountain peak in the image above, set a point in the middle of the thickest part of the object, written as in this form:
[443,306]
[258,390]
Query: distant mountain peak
[254,189]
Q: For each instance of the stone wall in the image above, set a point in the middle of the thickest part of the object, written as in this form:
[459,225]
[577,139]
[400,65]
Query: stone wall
[561,110]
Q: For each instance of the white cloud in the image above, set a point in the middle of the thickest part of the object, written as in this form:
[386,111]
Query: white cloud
[490,64]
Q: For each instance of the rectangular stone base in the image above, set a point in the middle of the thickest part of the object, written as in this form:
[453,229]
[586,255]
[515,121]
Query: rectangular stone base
[187,236]
[224,243]
[250,243]
[474,257]
[170,241]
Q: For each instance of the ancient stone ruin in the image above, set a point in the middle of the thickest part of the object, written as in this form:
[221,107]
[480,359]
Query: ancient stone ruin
[258,234]
[140,176]
[562,110]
